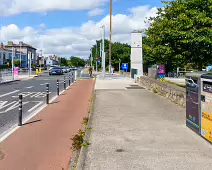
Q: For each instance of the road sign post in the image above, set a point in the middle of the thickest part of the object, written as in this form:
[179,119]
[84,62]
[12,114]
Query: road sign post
[64,82]
[20,110]
[47,93]
[58,90]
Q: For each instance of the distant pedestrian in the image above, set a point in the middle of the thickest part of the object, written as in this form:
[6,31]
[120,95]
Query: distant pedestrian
[90,70]
[112,70]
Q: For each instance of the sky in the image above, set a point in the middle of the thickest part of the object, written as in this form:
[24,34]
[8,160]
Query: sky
[71,27]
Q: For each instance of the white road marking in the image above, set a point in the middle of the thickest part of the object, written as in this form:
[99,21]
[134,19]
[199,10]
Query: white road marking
[29,87]
[34,107]
[43,84]
[15,127]
[32,94]
[6,94]
[13,105]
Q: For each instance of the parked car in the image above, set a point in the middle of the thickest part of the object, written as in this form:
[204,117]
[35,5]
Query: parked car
[64,70]
[56,71]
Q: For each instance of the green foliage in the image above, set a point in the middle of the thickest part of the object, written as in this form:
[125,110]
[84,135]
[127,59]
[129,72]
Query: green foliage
[155,90]
[119,51]
[181,33]
[76,62]
[78,140]
[64,62]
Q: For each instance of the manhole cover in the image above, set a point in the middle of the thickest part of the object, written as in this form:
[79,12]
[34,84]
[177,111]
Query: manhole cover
[134,87]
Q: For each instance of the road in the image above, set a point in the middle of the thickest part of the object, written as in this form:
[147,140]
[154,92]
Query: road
[34,97]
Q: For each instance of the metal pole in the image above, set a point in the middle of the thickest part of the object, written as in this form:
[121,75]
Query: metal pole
[75,75]
[119,66]
[47,93]
[96,66]
[12,63]
[69,80]
[30,65]
[20,54]
[64,82]
[110,54]
[58,90]
[28,56]
[20,110]
[91,57]
[101,54]
[103,50]
[72,78]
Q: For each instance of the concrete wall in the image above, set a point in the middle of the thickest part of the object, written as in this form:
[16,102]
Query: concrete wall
[170,91]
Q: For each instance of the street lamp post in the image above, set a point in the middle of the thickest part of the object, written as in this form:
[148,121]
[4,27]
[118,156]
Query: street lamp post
[20,54]
[119,66]
[91,59]
[103,50]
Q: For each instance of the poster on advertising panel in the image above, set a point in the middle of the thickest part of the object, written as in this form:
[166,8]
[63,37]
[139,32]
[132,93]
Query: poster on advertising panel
[161,72]
[206,105]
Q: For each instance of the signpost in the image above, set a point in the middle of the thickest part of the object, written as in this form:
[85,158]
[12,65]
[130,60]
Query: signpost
[124,67]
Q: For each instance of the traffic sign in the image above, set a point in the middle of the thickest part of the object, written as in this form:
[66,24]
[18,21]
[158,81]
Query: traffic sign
[124,66]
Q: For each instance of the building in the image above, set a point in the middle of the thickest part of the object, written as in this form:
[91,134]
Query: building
[136,54]
[25,49]
[6,56]
[53,60]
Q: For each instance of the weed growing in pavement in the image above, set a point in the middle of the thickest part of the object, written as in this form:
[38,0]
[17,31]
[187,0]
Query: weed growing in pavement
[78,140]
[155,90]
[86,143]
[85,120]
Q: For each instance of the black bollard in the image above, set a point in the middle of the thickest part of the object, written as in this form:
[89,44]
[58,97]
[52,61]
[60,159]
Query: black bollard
[58,90]
[64,82]
[20,110]
[47,93]
[69,80]
[72,78]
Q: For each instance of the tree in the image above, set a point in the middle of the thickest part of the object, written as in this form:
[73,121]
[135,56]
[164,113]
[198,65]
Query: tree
[120,51]
[181,33]
[64,61]
[76,61]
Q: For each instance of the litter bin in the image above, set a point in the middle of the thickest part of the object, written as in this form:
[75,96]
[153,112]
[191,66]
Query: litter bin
[206,106]
[193,100]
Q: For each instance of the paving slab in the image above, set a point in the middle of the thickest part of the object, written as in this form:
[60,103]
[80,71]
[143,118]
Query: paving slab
[139,130]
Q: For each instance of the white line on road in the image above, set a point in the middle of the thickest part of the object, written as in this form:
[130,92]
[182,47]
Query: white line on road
[29,87]
[39,103]
[6,94]
[15,127]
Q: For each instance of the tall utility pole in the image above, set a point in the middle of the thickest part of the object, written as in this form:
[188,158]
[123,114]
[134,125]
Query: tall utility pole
[91,59]
[20,54]
[110,54]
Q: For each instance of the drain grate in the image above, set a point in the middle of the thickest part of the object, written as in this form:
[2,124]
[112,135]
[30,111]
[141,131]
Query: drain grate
[134,87]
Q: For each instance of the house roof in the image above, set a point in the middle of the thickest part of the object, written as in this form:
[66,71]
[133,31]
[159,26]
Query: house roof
[18,45]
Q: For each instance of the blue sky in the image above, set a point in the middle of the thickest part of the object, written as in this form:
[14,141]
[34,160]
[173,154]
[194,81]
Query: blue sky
[66,14]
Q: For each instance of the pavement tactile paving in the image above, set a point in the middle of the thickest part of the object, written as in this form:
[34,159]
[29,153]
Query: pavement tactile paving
[45,144]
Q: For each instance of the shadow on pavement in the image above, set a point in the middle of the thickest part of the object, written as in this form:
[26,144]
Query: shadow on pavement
[39,120]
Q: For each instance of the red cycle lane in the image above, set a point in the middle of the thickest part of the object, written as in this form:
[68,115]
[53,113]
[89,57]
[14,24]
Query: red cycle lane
[44,142]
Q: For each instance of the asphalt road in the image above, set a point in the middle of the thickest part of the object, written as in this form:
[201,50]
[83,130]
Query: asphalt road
[34,97]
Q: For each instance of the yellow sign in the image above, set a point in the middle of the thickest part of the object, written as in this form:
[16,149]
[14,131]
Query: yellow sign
[206,107]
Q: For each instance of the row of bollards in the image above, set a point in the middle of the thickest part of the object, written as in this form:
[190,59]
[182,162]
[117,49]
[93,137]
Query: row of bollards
[20,123]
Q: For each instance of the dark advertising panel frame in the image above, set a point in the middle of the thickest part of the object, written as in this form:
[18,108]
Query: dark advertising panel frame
[193,103]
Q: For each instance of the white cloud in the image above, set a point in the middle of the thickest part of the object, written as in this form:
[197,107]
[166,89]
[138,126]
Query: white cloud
[78,41]
[11,7]
[42,25]
[95,12]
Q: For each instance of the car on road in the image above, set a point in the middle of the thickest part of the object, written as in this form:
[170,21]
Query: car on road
[56,71]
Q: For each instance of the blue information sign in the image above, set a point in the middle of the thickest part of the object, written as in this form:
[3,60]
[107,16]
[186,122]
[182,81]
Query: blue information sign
[124,66]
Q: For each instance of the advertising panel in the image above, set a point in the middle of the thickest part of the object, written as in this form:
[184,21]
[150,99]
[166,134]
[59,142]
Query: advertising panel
[206,109]
[192,111]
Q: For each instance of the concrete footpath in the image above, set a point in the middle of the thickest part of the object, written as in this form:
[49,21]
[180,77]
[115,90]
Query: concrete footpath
[133,129]
[44,143]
